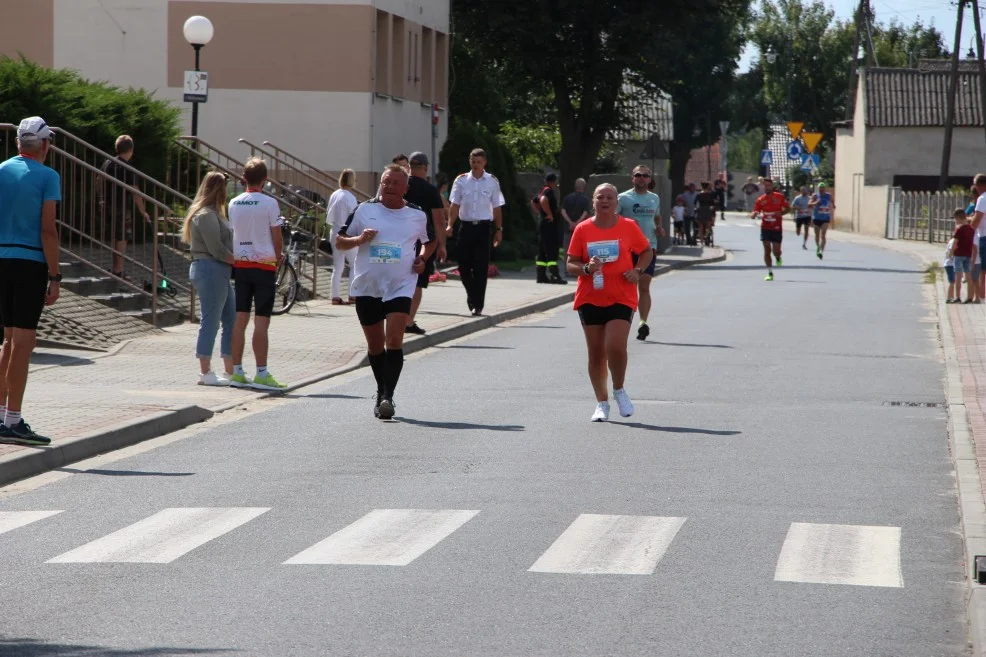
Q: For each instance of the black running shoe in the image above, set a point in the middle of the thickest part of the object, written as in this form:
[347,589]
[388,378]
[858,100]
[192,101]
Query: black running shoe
[386,409]
[22,434]
[415,329]
[643,332]
[376,405]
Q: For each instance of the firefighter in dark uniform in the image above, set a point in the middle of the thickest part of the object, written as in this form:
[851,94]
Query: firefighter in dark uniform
[549,233]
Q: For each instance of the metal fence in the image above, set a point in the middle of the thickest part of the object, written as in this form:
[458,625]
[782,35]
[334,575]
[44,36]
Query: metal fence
[297,164]
[101,226]
[922,216]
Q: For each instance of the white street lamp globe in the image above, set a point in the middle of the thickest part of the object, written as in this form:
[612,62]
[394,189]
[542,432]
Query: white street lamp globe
[198,30]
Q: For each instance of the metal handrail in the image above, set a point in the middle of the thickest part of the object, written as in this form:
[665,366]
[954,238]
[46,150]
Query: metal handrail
[314,212]
[287,164]
[281,153]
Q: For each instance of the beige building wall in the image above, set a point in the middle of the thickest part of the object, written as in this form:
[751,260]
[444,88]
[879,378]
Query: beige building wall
[918,151]
[299,73]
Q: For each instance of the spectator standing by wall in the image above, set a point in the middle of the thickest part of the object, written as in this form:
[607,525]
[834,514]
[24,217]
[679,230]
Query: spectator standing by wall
[342,203]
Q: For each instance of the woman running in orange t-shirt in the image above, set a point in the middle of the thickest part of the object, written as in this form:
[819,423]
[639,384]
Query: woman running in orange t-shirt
[601,255]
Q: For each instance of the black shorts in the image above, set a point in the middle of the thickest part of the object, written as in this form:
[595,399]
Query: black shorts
[774,236]
[650,268]
[802,221]
[601,315]
[373,310]
[820,222]
[255,286]
[426,274]
[23,285]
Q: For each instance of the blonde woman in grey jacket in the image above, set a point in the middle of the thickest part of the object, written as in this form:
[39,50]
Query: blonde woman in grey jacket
[210,236]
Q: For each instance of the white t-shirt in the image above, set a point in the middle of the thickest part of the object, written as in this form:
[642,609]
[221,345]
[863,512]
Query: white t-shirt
[678,212]
[948,253]
[342,203]
[383,268]
[252,215]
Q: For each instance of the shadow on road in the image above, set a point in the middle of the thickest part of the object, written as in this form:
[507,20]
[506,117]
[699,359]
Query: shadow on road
[531,326]
[870,270]
[461,425]
[124,473]
[36,648]
[654,427]
[689,344]
[42,358]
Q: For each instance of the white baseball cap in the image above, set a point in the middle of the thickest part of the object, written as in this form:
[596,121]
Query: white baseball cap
[33,129]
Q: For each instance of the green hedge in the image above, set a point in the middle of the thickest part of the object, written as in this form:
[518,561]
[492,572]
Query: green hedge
[518,225]
[94,111]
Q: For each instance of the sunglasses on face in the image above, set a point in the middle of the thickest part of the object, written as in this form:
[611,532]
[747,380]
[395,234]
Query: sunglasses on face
[641,175]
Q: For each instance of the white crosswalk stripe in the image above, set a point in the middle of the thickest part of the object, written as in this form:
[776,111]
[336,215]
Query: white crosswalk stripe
[14,519]
[840,554]
[385,537]
[616,545]
[163,537]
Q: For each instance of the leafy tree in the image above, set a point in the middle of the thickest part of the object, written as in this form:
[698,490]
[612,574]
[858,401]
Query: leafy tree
[591,58]
[533,147]
[744,150]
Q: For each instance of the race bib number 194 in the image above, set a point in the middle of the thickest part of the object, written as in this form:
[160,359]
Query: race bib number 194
[385,253]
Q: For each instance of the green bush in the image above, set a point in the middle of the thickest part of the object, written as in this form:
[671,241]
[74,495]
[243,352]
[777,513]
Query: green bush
[518,225]
[93,111]
[532,147]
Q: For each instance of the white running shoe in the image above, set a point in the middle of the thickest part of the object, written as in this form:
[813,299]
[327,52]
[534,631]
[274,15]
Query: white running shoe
[210,378]
[623,401]
[602,412]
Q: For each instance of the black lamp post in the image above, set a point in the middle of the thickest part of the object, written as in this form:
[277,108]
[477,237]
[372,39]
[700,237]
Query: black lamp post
[198,32]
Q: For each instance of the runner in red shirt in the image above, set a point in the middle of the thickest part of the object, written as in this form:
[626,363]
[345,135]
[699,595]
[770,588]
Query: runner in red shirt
[771,207]
[601,253]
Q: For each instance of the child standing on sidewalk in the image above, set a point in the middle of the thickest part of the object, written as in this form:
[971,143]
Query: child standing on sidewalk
[950,271]
[678,217]
[963,254]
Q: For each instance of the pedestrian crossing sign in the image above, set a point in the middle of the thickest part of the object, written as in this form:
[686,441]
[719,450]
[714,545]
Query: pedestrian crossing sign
[766,157]
[809,163]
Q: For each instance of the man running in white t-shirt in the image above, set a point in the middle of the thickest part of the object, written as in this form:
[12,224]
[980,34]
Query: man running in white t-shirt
[393,242]
[257,247]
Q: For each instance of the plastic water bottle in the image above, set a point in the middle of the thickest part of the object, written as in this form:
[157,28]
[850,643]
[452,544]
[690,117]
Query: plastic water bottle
[597,279]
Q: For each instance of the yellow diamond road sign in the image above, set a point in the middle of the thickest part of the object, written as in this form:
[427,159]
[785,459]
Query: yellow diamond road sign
[811,140]
[795,128]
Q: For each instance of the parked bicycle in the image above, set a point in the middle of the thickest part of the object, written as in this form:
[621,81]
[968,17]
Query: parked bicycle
[288,287]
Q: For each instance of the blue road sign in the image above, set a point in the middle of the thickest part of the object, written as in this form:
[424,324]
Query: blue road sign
[810,162]
[766,157]
[794,150]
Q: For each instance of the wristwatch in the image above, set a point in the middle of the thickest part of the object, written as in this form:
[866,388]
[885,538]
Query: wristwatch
[585,269]
[57,278]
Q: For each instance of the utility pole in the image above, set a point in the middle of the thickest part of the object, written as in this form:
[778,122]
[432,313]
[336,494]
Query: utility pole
[953,81]
[861,19]
[979,53]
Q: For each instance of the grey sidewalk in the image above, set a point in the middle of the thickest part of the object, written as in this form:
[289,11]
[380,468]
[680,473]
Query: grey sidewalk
[90,403]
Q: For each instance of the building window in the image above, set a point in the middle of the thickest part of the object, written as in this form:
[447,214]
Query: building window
[427,65]
[383,53]
[401,60]
[441,69]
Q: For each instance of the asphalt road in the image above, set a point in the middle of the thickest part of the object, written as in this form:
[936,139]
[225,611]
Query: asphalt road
[765,500]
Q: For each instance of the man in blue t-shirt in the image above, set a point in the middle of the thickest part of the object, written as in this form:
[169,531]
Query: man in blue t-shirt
[823,207]
[645,208]
[29,278]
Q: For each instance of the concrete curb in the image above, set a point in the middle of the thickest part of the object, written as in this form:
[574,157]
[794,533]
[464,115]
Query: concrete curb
[972,507]
[33,461]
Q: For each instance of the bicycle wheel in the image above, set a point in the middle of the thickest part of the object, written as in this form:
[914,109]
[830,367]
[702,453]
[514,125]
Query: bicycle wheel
[286,292]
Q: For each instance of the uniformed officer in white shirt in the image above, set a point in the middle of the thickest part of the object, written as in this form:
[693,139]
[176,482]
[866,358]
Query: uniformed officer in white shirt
[476,201]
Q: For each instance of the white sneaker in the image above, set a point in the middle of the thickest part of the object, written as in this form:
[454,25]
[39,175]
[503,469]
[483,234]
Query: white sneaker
[602,412]
[210,378]
[623,401]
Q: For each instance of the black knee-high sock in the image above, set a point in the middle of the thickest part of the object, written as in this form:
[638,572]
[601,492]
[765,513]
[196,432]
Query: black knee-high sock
[395,363]
[378,363]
